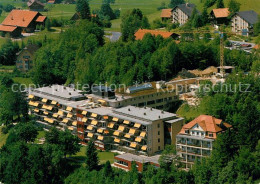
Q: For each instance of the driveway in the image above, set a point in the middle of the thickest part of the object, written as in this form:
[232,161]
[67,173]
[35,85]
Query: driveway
[114,35]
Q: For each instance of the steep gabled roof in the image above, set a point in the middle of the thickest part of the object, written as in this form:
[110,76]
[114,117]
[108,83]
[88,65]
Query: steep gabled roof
[186,8]
[32,48]
[41,19]
[249,16]
[208,124]
[7,28]
[166,13]
[31,2]
[20,18]
[221,12]
[141,32]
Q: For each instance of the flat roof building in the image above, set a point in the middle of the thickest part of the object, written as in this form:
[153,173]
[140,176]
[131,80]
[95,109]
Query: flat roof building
[138,130]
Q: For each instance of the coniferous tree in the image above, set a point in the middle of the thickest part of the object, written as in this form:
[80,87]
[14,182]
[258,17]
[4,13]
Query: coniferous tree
[220,4]
[92,157]
[233,7]
[82,7]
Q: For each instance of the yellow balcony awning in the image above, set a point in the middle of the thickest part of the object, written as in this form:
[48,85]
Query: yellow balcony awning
[90,127]
[115,119]
[100,130]
[70,128]
[138,139]
[45,112]
[74,123]
[133,145]
[90,134]
[46,119]
[110,125]
[144,148]
[31,96]
[126,122]
[100,137]
[55,115]
[137,125]
[117,140]
[131,131]
[121,128]
[116,133]
[94,122]
[45,106]
[69,109]
[93,115]
[103,102]
[36,104]
[31,103]
[84,112]
[106,132]
[65,121]
[51,121]
[105,117]
[69,115]
[53,102]
[36,110]
[84,120]
[60,113]
[49,108]
[142,134]
[127,135]
[44,100]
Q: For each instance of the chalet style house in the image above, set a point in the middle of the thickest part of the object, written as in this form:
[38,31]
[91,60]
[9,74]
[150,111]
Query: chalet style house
[166,14]
[219,16]
[25,57]
[21,21]
[196,138]
[243,22]
[35,5]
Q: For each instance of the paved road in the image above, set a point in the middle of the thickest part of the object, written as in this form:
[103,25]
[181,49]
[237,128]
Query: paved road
[114,35]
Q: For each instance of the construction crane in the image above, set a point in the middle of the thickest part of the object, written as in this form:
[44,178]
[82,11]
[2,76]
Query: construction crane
[221,51]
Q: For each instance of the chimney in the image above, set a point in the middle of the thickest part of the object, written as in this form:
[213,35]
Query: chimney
[187,5]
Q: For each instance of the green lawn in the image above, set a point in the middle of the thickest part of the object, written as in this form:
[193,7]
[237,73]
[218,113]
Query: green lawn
[103,156]
[245,4]
[188,112]
[21,80]
[3,137]
[40,135]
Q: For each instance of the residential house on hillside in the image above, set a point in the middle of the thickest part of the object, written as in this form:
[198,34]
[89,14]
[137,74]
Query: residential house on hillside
[182,13]
[35,5]
[243,22]
[219,16]
[165,34]
[25,57]
[166,14]
[19,21]
[196,138]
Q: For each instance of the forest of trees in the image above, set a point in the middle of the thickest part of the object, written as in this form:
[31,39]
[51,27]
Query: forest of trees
[80,55]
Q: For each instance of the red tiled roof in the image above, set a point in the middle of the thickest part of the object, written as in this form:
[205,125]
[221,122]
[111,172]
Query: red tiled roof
[166,13]
[7,28]
[141,32]
[21,18]
[41,19]
[221,12]
[207,123]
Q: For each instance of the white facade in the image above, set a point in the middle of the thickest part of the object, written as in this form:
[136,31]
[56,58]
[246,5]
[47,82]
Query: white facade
[179,16]
[238,24]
